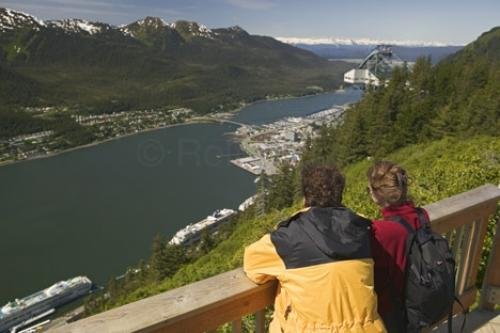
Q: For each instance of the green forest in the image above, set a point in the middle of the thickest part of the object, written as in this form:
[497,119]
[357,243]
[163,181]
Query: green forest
[458,97]
[153,66]
[440,122]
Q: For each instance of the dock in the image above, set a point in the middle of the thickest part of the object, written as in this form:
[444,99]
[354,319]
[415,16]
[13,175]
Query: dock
[255,165]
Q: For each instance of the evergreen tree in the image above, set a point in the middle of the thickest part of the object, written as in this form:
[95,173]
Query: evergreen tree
[282,191]
[112,287]
[158,261]
[143,271]
[166,258]
[206,241]
[261,200]
[176,256]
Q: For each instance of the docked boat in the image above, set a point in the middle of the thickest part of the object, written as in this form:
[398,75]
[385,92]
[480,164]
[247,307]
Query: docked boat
[19,311]
[192,232]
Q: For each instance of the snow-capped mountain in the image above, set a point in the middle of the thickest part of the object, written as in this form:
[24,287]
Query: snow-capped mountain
[156,22]
[360,42]
[156,28]
[10,19]
[78,26]
[148,23]
[193,29]
[348,48]
[148,63]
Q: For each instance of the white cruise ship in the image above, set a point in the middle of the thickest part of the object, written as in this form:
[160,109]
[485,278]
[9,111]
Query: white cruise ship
[192,232]
[17,312]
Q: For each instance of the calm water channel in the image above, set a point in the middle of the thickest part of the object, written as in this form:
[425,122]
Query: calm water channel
[94,211]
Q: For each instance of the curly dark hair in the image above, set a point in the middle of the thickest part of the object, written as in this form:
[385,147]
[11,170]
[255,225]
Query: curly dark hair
[322,185]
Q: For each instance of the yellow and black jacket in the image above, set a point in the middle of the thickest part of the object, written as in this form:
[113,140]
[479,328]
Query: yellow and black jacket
[321,258]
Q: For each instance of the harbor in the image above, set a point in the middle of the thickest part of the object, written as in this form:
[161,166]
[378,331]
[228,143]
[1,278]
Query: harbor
[102,205]
[281,142]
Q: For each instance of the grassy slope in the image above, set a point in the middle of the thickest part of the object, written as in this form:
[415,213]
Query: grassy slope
[437,169]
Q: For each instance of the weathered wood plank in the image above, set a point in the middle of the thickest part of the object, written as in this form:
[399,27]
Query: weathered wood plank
[492,276]
[207,304]
[462,208]
[478,245]
[465,263]
[260,321]
[236,326]
[198,307]
[457,241]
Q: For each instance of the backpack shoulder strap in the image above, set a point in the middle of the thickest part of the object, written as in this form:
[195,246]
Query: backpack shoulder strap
[422,218]
[403,222]
[465,312]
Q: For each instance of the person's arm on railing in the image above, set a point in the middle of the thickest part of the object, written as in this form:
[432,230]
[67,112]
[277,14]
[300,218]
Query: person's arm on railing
[261,262]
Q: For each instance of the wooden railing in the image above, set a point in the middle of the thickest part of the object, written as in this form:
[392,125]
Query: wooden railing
[226,298]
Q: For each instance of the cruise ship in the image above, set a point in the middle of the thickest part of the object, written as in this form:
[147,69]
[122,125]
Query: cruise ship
[247,203]
[15,313]
[192,232]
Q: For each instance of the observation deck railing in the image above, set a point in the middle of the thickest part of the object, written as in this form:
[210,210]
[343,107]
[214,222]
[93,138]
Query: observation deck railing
[226,298]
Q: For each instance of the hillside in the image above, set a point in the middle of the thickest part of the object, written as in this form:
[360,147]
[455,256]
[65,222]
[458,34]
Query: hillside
[96,67]
[460,96]
[437,170]
[408,121]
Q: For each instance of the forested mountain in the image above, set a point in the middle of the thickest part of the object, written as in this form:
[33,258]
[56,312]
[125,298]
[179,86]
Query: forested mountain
[460,96]
[148,63]
[431,110]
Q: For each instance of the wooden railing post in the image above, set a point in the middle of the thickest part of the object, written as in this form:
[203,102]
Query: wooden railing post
[480,231]
[236,326]
[260,321]
[226,298]
[464,262]
[491,284]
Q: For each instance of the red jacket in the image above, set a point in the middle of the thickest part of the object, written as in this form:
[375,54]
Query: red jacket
[388,250]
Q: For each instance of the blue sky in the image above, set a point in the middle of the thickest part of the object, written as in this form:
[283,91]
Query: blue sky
[455,22]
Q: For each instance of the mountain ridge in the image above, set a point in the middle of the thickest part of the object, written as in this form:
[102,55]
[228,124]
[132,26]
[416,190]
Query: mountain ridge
[360,41]
[12,19]
[94,68]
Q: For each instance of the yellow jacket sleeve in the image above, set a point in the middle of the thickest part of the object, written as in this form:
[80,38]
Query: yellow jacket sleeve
[261,262]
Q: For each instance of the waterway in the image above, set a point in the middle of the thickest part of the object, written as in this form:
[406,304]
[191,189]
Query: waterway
[269,111]
[95,211]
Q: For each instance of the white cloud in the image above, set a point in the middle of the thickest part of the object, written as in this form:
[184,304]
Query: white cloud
[113,10]
[68,6]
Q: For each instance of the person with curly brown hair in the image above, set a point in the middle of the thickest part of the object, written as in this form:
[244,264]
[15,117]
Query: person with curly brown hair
[321,257]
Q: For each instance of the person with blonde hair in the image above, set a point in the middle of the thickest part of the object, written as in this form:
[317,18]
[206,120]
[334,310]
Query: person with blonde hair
[388,188]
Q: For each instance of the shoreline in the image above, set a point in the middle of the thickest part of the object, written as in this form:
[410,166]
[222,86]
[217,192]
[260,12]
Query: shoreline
[196,120]
[272,99]
[96,143]
[212,118]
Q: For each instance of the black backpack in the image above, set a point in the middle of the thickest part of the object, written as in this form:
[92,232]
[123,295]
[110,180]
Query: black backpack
[430,276]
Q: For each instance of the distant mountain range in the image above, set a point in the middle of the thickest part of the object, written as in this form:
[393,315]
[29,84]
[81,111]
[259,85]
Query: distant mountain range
[359,41]
[97,67]
[346,48]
